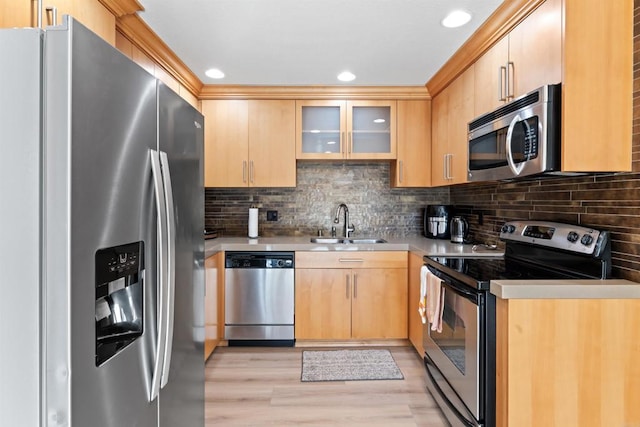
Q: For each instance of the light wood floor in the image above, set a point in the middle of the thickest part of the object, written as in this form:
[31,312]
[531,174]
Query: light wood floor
[252,386]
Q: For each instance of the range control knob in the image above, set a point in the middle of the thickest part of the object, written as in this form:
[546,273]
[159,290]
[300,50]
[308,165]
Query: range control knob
[508,228]
[586,240]
[573,236]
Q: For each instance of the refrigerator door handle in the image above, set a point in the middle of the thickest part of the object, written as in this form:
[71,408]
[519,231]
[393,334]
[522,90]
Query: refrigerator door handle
[171,266]
[161,274]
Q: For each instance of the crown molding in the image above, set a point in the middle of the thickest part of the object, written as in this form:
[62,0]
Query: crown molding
[503,20]
[142,36]
[313,92]
[122,7]
[509,14]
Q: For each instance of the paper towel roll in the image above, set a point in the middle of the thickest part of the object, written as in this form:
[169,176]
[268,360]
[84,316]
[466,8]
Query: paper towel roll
[253,223]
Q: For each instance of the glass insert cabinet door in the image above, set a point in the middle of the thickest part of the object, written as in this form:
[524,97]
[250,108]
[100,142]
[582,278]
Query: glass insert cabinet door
[346,129]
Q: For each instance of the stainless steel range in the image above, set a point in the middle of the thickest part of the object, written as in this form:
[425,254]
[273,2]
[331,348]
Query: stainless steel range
[460,352]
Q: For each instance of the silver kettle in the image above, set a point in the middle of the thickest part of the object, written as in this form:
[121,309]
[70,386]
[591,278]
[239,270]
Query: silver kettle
[459,228]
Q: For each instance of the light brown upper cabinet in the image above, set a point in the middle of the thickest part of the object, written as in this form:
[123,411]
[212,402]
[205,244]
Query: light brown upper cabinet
[413,165]
[452,110]
[597,85]
[90,13]
[249,143]
[587,45]
[328,130]
[530,56]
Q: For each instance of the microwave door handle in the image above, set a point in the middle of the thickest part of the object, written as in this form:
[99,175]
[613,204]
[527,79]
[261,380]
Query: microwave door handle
[516,169]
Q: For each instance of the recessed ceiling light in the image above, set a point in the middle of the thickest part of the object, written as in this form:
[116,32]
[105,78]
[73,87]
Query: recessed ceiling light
[379,121]
[346,76]
[457,18]
[214,73]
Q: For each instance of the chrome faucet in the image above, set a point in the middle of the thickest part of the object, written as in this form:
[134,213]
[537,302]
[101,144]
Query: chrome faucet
[347,229]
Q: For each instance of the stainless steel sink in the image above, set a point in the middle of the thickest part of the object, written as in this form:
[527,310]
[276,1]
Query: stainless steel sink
[329,240]
[326,240]
[364,241]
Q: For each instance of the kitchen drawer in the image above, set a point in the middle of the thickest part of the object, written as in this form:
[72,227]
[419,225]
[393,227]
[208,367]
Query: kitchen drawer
[343,259]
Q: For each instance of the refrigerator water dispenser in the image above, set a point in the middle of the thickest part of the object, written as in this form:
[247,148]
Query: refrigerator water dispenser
[119,296]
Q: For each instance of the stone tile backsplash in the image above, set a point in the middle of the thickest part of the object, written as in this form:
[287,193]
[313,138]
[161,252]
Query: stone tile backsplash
[374,208]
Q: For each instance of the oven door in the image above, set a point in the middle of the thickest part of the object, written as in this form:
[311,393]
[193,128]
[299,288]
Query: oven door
[455,351]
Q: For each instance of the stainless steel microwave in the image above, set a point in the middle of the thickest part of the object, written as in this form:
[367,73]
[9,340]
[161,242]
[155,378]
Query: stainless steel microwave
[521,138]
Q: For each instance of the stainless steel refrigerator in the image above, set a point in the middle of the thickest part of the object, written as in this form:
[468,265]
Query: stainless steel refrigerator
[101,247]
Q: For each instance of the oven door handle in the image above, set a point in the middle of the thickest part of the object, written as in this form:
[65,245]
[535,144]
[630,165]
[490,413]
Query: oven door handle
[441,392]
[470,295]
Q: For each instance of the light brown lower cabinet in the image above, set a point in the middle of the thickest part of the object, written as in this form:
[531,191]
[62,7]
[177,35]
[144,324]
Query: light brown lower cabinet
[415,322]
[359,295]
[213,300]
[568,362]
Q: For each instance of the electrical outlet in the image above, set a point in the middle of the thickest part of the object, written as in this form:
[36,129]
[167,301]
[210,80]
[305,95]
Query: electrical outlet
[272,215]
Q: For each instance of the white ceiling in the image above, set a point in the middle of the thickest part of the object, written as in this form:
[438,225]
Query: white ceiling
[308,42]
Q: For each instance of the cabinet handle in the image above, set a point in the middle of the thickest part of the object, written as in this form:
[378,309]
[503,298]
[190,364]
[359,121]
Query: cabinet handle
[54,14]
[343,144]
[251,171]
[401,172]
[350,148]
[351,260]
[348,290]
[447,166]
[355,285]
[511,80]
[244,171]
[39,14]
[444,166]
[502,77]
[450,166]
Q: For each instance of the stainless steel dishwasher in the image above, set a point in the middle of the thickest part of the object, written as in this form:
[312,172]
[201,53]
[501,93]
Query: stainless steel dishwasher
[259,298]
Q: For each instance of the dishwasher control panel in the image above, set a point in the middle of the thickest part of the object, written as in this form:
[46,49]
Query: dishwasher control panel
[259,259]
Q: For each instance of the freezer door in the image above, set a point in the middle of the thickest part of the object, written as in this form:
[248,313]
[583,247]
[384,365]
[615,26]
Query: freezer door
[181,137]
[100,126]
[20,178]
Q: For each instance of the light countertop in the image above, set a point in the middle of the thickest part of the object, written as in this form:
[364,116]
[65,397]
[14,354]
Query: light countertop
[505,289]
[420,245]
[565,289]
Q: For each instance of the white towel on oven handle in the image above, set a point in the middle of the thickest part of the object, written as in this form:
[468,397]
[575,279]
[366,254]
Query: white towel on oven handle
[436,325]
[422,303]
[435,301]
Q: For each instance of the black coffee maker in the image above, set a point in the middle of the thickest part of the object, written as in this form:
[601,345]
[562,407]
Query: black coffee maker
[436,221]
